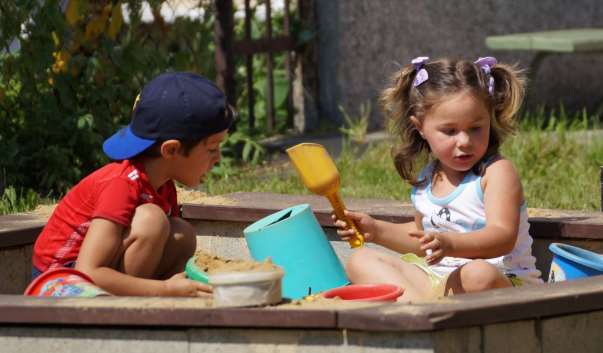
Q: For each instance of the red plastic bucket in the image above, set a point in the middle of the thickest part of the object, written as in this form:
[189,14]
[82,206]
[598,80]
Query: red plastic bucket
[366,292]
[63,282]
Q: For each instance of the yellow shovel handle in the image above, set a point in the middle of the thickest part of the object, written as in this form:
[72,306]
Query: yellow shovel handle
[338,206]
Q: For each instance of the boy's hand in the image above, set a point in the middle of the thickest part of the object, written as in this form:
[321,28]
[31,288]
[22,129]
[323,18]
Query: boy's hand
[180,286]
[435,245]
[365,224]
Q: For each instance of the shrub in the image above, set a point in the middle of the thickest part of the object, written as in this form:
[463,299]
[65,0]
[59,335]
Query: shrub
[73,80]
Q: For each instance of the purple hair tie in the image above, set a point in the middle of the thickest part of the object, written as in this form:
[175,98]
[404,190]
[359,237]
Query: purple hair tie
[421,75]
[486,64]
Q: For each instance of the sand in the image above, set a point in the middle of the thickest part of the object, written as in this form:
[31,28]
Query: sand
[44,211]
[212,264]
[198,197]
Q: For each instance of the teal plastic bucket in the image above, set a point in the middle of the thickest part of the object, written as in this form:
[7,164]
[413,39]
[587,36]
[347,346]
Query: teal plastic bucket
[294,240]
[571,262]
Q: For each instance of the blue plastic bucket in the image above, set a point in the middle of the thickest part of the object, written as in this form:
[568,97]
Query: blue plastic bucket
[294,240]
[570,262]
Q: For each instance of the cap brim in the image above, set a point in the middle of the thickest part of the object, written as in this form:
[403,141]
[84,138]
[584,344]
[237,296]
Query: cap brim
[124,144]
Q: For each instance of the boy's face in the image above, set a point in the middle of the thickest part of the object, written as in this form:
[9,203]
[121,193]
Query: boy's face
[189,170]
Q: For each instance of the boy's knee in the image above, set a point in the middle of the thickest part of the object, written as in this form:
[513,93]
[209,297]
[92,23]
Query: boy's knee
[479,275]
[150,221]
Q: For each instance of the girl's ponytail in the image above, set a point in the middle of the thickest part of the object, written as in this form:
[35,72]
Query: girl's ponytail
[508,93]
[396,104]
[507,97]
[394,99]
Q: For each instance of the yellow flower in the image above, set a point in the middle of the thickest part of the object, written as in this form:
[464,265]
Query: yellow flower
[61,58]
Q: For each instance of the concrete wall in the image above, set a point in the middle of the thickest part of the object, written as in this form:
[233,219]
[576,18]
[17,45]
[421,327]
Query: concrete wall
[232,340]
[360,43]
[15,262]
[570,333]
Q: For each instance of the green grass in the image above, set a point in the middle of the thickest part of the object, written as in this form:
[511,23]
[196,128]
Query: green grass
[13,201]
[558,169]
[558,165]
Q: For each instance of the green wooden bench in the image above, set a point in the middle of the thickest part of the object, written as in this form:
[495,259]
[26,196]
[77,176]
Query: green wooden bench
[584,40]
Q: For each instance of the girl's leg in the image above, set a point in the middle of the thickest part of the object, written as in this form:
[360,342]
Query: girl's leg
[180,246]
[144,242]
[371,266]
[476,276]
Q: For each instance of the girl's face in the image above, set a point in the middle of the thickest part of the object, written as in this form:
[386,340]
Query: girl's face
[457,130]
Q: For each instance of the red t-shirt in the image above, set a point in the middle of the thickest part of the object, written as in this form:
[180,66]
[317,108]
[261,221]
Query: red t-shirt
[112,192]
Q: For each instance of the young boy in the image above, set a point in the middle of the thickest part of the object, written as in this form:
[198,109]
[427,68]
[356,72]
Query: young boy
[120,225]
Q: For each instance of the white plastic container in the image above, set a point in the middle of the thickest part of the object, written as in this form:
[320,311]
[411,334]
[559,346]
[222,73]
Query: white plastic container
[247,288]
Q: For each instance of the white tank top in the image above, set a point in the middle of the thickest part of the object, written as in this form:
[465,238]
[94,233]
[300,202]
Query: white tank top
[463,211]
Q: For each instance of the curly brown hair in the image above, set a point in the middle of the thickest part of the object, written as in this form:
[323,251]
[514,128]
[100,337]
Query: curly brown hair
[401,100]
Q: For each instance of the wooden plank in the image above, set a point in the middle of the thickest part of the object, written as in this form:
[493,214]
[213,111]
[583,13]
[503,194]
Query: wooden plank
[289,66]
[270,117]
[250,207]
[504,305]
[307,87]
[149,311]
[223,39]
[568,41]
[393,317]
[495,306]
[512,304]
[249,70]
[19,229]
[580,227]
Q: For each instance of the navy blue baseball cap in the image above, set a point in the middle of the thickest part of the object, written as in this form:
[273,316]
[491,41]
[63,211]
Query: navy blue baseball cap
[177,105]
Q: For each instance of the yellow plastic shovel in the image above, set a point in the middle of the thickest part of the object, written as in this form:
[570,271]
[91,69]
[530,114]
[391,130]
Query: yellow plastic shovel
[320,175]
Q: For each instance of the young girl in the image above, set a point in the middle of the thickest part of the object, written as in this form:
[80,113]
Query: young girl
[471,223]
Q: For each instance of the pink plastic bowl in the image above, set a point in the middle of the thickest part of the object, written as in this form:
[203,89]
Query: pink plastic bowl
[64,282]
[366,292]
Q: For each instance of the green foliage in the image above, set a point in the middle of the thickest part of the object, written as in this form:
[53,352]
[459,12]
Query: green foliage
[247,149]
[72,83]
[13,201]
[356,128]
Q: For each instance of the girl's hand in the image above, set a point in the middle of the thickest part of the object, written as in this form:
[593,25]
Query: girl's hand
[366,225]
[435,245]
[179,286]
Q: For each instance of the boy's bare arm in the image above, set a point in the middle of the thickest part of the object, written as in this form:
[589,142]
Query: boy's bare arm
[100,255]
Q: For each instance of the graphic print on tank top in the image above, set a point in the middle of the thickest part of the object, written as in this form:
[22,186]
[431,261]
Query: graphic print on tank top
[441,218]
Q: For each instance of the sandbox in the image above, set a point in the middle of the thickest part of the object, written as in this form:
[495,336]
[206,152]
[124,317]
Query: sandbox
[558,317]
